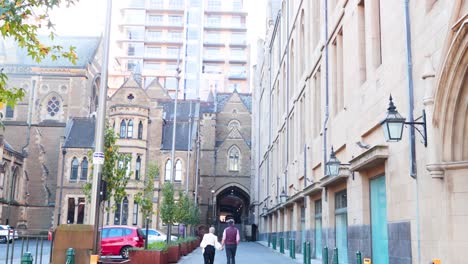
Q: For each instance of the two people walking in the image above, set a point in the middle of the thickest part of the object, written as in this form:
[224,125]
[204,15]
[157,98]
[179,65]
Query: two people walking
[231,239]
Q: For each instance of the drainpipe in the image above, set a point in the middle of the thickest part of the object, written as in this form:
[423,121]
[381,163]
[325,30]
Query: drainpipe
[413,171]
[287,98]
[64,151]
[189,144]
[326,107]
[197,170]
[29,120]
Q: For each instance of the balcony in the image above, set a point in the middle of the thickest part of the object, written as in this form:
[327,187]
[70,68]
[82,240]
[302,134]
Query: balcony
[161,40]
[170,8]
[238,59]
[213,58]
[237,76]
[165,57]
[237,42]
[225,11]
[213,42]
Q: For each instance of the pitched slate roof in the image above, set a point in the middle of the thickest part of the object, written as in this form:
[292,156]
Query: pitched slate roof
[181,136]
[86,48]
[80,133]
[222,99]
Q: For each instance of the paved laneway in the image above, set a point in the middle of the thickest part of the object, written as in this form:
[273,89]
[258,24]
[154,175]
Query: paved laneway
[247,252]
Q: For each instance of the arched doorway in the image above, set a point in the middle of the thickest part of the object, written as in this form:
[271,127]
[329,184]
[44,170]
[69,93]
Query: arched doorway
[232,202]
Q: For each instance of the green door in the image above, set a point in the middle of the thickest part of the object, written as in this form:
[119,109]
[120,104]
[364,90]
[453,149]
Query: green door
[379,221]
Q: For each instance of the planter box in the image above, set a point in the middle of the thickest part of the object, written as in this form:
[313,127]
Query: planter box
[184,248]
[148,256]
[173,254]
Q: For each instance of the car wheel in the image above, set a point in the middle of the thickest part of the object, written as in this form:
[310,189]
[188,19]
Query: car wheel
[3,239]
[124,252]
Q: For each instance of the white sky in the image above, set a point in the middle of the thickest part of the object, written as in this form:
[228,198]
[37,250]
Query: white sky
[87,18]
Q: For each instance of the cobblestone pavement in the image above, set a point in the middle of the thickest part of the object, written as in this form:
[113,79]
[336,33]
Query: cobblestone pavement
[247,252]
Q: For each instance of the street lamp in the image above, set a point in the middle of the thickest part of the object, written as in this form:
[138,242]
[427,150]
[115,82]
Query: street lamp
[393,124]
[332,166]
[265,209]
[283,196]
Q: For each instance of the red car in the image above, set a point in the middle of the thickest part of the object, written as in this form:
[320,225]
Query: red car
[117,240]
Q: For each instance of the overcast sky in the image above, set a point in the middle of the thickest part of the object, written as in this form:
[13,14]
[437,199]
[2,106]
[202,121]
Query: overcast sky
[87,18]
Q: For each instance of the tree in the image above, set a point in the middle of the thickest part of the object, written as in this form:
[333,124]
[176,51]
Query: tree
[145,199]
[183,209]
[114,169]
[21,20]
[168,209]
[194,215]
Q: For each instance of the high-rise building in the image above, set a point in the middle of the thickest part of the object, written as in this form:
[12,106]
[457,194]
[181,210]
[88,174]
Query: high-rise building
[206,37]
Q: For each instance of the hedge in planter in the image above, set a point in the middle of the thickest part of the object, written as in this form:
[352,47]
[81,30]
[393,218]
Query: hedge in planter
[173,252]
[156,253]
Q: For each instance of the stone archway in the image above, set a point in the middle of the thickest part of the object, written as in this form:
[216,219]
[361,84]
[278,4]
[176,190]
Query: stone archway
[451,100]
[232,202]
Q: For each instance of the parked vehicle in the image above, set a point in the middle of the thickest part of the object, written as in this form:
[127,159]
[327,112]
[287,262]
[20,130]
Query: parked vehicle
[117,240]
[7,233]
[156,235]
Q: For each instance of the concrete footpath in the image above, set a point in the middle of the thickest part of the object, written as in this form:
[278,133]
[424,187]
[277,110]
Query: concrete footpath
[247,252]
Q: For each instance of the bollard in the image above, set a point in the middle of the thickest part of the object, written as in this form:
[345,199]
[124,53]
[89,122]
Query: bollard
[304,252]
[274,242]
[27,258]
[269,240]
[281,245]
[293,249]
[325,255]
[358,258]
[308,253]
[335,256]
[70,256]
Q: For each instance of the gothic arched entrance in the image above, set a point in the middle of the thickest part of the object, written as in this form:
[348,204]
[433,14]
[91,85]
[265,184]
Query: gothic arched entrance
[232,202]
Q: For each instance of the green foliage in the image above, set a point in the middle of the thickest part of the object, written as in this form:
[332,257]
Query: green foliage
[21,20]
[145,198]
[158,245]
[194,215]
[114,169]
[183,209]
[168,206]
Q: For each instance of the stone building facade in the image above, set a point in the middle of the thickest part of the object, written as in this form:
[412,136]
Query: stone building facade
[143,120]
[324,77]
[55,91]
[12,196]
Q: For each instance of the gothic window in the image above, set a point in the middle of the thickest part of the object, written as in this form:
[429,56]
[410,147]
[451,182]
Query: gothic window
[74,169]
[71,211]
[167,175]
[53,106]
[140,130]
[84,169]
[135,213]
[81,210]
[130,129]
[178,170]
[94,102]
[117,214]
[138,168]
[9,112]
[234,159]
[123,129]
[125,211]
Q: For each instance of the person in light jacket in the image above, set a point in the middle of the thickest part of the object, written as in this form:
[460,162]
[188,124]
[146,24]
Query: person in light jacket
[209,245]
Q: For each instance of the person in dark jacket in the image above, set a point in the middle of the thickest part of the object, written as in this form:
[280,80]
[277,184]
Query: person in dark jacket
[231,239]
